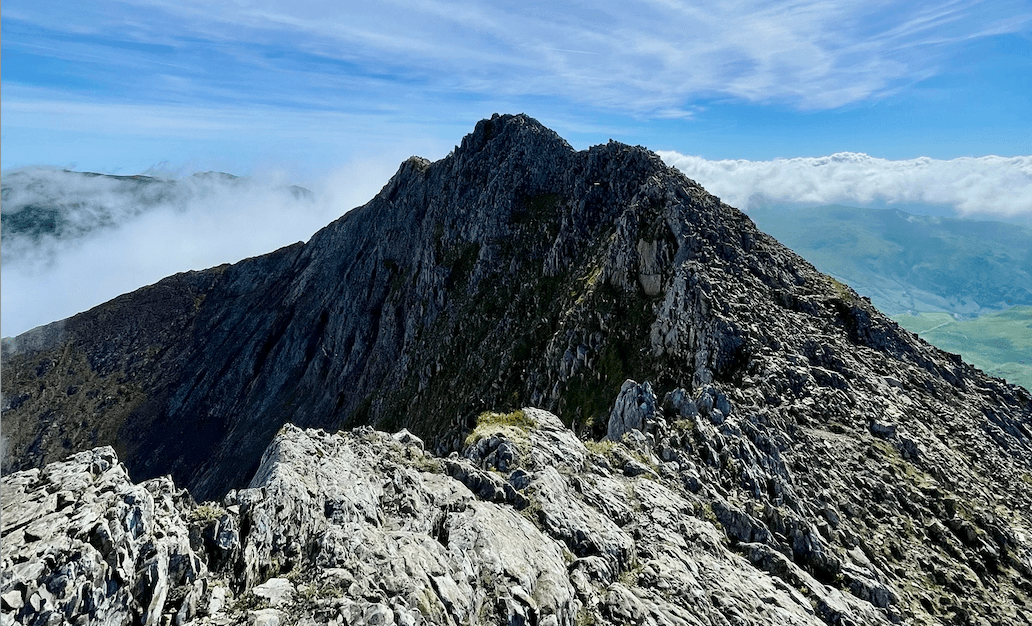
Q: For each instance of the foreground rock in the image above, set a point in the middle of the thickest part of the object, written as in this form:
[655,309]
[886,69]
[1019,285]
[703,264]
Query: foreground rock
[529,526]
[82,544]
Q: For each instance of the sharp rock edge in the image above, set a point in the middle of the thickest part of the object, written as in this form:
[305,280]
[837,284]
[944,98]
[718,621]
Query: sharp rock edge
[789,455]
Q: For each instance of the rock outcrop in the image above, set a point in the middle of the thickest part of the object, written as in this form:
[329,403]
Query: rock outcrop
[368,528]
[742,439]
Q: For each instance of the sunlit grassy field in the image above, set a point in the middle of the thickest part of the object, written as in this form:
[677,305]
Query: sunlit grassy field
[998,343]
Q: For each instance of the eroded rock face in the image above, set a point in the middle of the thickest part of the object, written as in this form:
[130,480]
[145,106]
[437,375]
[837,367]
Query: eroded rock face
[514,271]
[365,527]
[768,429]
[635,407]
[82,544]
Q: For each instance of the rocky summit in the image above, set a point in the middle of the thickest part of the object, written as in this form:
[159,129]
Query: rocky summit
[722,436]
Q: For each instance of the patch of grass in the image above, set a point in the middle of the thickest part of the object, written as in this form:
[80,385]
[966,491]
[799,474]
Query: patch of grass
[206,513]
[706,512]
[532,512]
[630,577]
[514,425]
[842,291]
[684,425]
[590,282]
[247,602]
[892,457]
[641,458]
[422,463]
[585,617]
[603,447]
[313,592]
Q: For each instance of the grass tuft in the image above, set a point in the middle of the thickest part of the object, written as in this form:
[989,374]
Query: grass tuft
[514,425]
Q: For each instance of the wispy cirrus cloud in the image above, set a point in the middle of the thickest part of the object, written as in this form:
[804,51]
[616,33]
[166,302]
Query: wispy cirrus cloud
[990,185]
[648,58]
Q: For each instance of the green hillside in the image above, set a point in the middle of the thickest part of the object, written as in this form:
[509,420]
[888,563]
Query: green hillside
[999,343]
[962,285]
[911,263]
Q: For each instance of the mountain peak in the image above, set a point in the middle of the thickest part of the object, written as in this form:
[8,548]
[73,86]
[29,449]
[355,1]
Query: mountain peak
[775,408]
[515,271]
[504,133]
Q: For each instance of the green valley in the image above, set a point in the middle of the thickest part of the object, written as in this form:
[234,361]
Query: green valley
[998,343]
[963,285]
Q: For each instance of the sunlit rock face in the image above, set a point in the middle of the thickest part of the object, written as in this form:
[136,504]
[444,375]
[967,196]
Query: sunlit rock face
[530,524]
[725,435]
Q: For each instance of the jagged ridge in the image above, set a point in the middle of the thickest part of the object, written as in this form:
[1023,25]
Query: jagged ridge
[516,272]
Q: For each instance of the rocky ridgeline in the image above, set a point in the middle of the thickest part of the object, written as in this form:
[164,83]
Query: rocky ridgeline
[514,272]
[530,525]
[793,455]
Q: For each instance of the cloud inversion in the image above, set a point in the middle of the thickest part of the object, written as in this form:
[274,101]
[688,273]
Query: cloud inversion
[991,185]
[116,235]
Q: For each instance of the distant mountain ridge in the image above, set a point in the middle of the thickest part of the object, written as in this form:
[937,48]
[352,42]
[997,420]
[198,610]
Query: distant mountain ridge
[917,267]
[56,205]
[35,207]
[1000,343]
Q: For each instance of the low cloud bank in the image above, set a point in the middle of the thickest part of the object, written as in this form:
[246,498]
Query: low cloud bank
[986,186]
[105,236]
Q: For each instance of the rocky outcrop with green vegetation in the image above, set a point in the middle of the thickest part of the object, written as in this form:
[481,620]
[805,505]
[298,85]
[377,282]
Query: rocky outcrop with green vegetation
[529,525]
[740,439]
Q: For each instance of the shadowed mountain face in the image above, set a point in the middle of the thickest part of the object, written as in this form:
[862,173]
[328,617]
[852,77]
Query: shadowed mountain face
[779,417]
[514,271]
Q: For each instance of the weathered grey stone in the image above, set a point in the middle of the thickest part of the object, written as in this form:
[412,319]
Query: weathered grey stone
[885,430]
[634,467]
[277,591]
[113,552]
[680,404]
[378,537]
[403,436]
[265,617]
[13,600]
[635,404]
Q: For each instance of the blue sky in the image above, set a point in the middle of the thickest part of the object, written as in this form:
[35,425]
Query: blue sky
[862,102]
[122,86]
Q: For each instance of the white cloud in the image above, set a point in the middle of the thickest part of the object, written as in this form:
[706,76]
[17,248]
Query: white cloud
[989,185]
[197,222]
